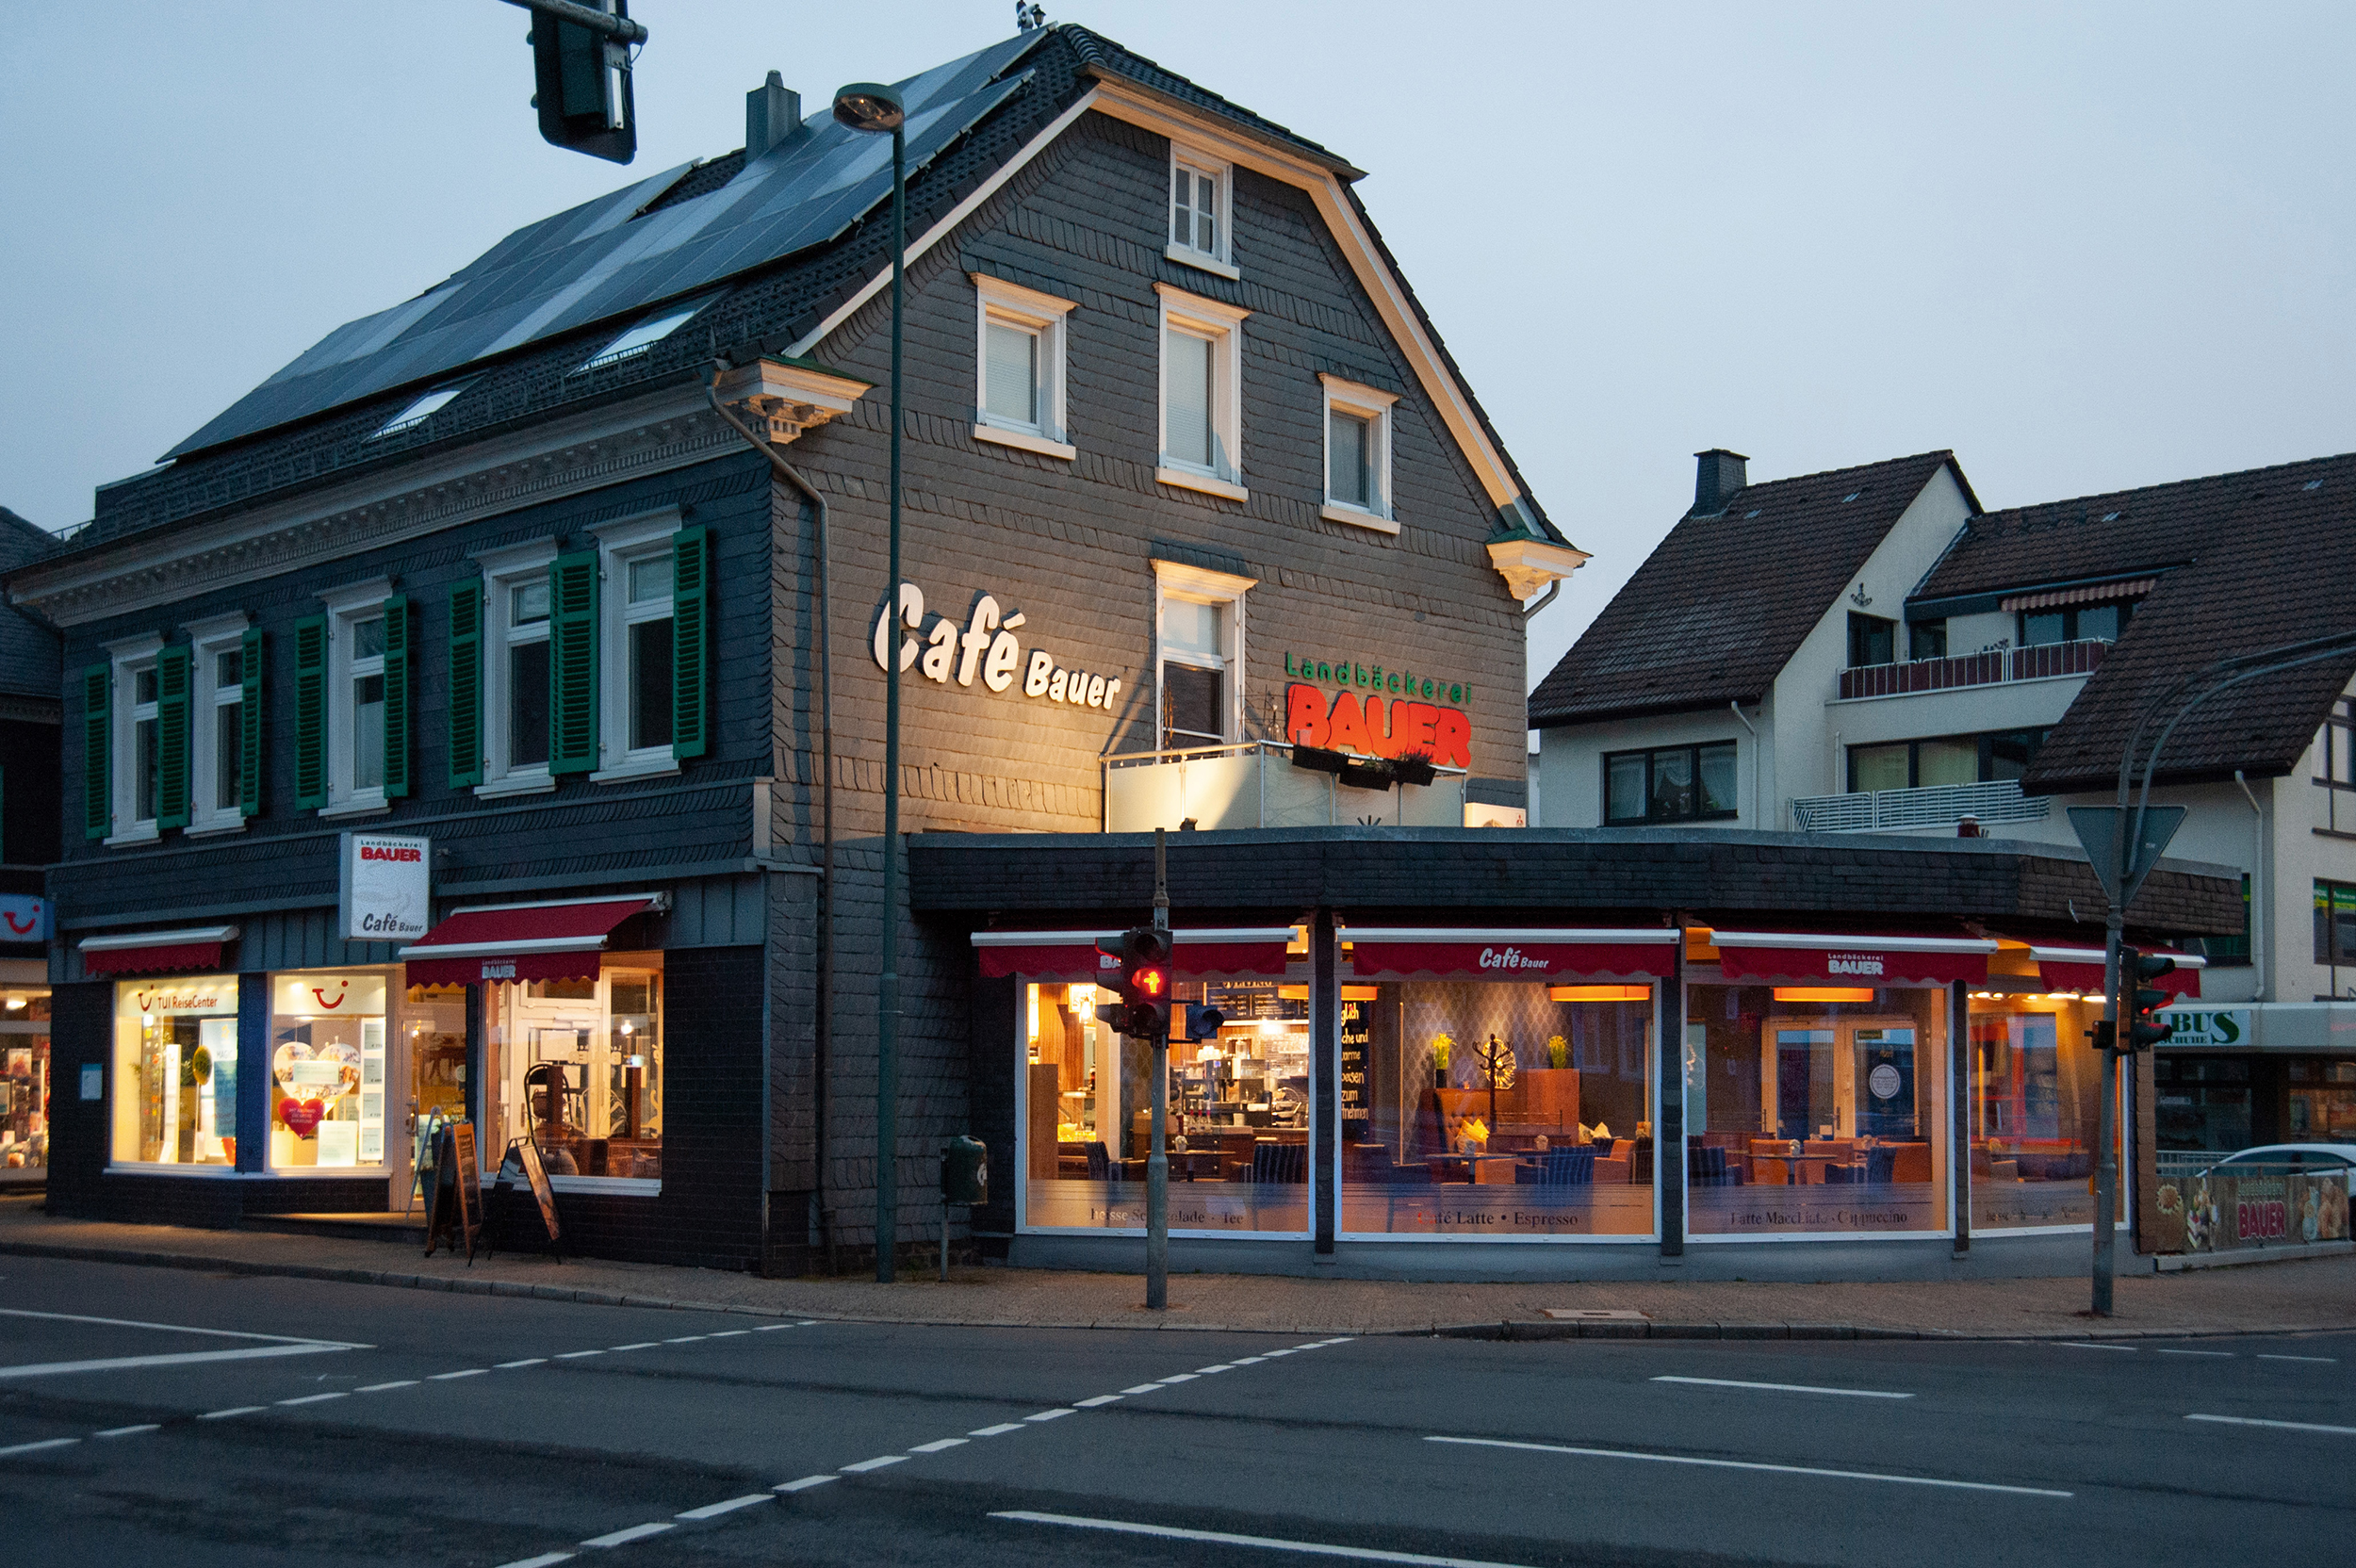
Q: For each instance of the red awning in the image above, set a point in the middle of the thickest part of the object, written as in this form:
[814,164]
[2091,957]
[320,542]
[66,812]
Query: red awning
[1873,958]
[1448,953]
[559,941]
[2080,969]
[157,952]
[1073,955]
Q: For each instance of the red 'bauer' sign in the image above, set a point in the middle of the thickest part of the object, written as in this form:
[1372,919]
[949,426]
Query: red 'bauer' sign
[1371,729]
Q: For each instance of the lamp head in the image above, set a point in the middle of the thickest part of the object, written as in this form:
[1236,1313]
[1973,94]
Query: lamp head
[870,106]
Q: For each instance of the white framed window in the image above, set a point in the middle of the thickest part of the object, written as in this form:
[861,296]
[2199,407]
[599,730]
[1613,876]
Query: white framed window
[355,697]
[1202,394]
[1019,362]
[1358,454]
[419,410]
[1198,656]
[1202,208]
[135,744]
[516,604]
[634,655]
[215,724]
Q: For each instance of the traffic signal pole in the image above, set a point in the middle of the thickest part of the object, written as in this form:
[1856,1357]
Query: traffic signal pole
[1157,1152]
[2106,1124]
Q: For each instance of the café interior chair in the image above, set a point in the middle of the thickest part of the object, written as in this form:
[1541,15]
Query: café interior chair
[1568,1167]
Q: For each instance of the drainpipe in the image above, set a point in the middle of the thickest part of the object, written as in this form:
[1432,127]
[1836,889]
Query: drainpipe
[2258,883]
[1758,806]
[1544,600]
[820,1054]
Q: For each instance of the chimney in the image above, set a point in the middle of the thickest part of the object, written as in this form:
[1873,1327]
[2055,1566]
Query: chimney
[1720,473]
[773,111]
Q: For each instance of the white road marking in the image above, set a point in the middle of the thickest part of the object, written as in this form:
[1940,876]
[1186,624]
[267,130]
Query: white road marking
[641,1344]
[877,1463]
[130,1431]
[1749,1464]
[773,1327]
[1343,1339]
[714,1510]
[1179,1378]
[802,1485]
[177,1327]
[528,1360]
[184,1358]
[730,1334]
[453,1377]
[1312,1548]
[1249,1361]
[2081,1344]
[2284,1426]
[2227,1355]
[1099,1399]
[316,1399]
[636,1532]
[937,1444]
[1207,1371]
[2328,1361]
[1788,1388]
[379,1388]
[238,1410]
[999,1431]
[1141,1388]
[1274,1354]
[575,1355]
[686,1339]
[36,1447]
[1050,1414]
[546,1559]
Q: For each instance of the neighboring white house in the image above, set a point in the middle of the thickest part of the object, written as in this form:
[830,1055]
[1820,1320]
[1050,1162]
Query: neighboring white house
[1866,650]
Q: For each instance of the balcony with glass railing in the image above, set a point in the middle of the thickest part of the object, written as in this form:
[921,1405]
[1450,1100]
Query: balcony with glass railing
[1930,806]
[2041,661]
[1256,784]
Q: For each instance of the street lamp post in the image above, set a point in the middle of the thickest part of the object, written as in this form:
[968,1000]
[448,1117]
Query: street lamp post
[874,108]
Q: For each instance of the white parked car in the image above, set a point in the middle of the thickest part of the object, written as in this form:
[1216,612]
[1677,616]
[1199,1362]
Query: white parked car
[2275,1159]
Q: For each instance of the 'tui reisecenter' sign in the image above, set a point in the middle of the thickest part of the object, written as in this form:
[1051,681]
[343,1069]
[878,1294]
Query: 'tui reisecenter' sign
[386,888]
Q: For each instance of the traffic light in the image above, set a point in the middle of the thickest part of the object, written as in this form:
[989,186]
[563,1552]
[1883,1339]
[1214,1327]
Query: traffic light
[1202,1023]
[2145,1028]
[1143,1010]
[582,76]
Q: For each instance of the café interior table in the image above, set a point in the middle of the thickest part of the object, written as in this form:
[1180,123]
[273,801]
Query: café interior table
[1783,1170]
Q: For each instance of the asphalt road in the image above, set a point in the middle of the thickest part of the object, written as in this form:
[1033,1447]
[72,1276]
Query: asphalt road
[163,1417]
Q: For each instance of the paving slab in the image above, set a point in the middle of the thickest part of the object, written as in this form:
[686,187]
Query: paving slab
[2308,1296]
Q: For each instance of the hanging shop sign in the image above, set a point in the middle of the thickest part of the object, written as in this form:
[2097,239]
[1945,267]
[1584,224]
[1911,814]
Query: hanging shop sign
[386,889]
[985,649]
[1374,728]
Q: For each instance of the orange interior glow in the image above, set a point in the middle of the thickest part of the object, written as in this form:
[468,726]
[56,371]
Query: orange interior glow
[1600,993]
[1824,994]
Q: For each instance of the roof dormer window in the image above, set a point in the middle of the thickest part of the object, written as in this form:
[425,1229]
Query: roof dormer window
[418,412]
[1201,212]
[645,335]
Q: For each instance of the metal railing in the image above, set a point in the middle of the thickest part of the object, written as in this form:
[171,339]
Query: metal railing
[1253,784]
[1931,806]
[2042,661]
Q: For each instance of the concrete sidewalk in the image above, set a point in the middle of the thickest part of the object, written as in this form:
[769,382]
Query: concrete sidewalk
[2312,1296]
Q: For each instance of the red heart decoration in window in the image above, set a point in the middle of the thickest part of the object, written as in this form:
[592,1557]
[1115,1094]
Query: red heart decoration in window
[302,1117]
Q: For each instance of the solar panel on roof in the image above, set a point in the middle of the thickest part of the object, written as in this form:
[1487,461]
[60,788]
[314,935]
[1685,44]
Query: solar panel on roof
[603,259]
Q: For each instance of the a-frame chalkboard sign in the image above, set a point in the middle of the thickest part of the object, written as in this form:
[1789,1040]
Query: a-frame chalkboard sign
[457,1196]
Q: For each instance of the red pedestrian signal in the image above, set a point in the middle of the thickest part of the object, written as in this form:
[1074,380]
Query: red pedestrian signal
[2145,1027]
[1143,1011]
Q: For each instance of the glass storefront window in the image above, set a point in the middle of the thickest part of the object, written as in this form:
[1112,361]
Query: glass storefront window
[24,1081]
[1495,1108]
[2036,1089]
[576,1066]
[1239,1129]
[327,1081]
[1815,1109]
[2322,1104]
[433,1026]
[175,1071]
[2204,1102]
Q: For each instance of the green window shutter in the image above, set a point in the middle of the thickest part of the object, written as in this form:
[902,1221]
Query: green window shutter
[310,712]
[465,685]
[573,663]
[249,725]
[690,642]
[172,737]
[98,809]
[400,695]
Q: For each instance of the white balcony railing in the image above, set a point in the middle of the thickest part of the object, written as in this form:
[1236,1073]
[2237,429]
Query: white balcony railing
[1256,785]
[1932,805]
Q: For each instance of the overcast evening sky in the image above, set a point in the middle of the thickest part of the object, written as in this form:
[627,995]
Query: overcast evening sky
[2085,247]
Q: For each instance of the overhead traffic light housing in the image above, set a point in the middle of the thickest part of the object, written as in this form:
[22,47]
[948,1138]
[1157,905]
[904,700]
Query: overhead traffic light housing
[2144,1027]
[1144,984]
[581,81]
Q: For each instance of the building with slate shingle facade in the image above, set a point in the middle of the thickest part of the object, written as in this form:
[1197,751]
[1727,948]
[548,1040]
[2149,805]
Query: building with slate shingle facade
[471,724]
[29,718]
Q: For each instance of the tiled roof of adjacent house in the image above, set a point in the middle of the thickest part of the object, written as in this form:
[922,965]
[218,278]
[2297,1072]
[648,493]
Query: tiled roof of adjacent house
[2244,562]
[321,416]
[1722,604]
[29,656]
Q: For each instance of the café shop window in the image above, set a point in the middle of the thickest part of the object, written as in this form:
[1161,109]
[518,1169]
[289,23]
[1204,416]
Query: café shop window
[576,1066]
[328,1033]
[2036,1087]
[1238,1128]
[1497,1108]
[1815,1108]
[25,1079]
[175,1071]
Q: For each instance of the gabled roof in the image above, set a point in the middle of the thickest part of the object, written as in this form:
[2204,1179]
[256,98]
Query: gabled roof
[775,250]
[31,660]
[2245,562]
[1721,606]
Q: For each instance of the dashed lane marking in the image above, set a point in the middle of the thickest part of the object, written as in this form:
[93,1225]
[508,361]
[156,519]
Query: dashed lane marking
[225,1414]
[1787,1388]
[528,1360]
[999,1431]
[2280,1426]
[802,1485]
[575,1355]
[937,1444]
[877,1463]
[1265,1543]
[546,1559]
[1099,1399]
[641,1344]
[453,1377]
[316,1399]
[2327,1361]
[714,1510]
[635,1532]
[1752,1464]
[37,1448]
[1050,1414]
[131,1431]
[379,1388]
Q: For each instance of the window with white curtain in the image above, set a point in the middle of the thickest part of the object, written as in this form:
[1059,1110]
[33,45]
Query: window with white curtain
[1019,363]
[1358,454]
[1202,394]
[1202,210]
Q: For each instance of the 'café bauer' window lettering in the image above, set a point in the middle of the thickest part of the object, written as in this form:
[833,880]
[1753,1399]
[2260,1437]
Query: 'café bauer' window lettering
[984,649]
